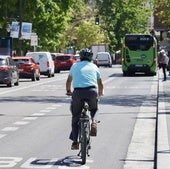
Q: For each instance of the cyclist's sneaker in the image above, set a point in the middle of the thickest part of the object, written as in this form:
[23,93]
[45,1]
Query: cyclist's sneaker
[75,146]
[93,131]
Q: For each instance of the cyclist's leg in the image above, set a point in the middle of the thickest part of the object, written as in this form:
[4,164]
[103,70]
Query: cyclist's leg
[76,108]
[93,107]
[93,102]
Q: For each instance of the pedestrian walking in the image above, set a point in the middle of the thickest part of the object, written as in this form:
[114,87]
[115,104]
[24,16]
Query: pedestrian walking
[163,60]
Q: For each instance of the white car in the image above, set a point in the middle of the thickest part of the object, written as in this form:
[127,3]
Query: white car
[45,61]
[103,59]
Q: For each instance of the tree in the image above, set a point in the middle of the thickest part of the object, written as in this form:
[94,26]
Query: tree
[81,30]
[88,34]
[121,17]
[49,19]
[163,7]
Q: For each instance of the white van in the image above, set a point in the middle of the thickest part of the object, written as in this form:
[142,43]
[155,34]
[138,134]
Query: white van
[45,61]
[103,59]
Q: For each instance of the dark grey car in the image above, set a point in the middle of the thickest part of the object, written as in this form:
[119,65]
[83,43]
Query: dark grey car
[9,74]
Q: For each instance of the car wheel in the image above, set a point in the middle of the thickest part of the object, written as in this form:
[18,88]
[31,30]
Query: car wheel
[10,84]
[34,77]
[49,75]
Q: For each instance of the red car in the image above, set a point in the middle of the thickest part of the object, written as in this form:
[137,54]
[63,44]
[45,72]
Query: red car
[63,62]
[27,67]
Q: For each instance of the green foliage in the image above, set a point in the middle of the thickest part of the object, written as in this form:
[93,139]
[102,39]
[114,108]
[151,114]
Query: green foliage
[88,34]
[59,23]
[122,17]
[161,8]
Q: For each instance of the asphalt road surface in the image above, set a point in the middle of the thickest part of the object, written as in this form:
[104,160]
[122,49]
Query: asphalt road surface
[35,123]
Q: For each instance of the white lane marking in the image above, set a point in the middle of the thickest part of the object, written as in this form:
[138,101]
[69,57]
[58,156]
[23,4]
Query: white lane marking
[21,122]
[140,153]
[2,135]
[163,159]
[38,114]
[40,163]
[10,129]
[30,118]
[45,111]
[9,162]
[29,86]
[51,108]
[122,87]
[56,105]
[108,80]
[79,167]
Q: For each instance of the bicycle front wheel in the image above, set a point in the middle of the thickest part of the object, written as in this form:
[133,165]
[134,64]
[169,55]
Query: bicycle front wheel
[83,146]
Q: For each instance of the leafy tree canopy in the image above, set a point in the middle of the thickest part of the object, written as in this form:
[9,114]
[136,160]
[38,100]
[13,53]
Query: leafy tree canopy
[59,23]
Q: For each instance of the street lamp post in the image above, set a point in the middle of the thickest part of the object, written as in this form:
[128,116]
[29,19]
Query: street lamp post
[20,26]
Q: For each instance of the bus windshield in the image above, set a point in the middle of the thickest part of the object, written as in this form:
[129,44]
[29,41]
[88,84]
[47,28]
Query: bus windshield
[139,42]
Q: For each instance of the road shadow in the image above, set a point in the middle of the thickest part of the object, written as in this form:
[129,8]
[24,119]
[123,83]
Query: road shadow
[118,100]
[69,161]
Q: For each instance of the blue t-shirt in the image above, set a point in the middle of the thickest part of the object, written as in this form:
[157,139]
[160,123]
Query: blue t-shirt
[84,74]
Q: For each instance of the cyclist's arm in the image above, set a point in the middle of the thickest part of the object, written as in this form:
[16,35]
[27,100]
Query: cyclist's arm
[68,85]
[100,87]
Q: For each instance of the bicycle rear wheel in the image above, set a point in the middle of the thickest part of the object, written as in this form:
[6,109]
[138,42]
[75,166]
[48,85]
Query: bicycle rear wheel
[83,146]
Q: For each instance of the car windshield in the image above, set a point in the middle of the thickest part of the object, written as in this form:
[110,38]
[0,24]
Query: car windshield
[19,61]
[102,56]
[2,62]
[62,58]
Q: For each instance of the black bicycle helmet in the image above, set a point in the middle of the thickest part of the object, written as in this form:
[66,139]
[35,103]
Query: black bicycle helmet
[86,54]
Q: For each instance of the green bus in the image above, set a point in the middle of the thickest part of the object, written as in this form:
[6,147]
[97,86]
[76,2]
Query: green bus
[139,54]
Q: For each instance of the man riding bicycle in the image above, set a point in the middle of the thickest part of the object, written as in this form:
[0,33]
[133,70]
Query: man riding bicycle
[87,84]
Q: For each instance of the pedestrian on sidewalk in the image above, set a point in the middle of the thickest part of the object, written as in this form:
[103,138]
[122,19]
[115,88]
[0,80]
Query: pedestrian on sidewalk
[163,60]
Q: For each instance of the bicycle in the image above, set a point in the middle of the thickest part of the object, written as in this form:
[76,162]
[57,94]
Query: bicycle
[84,133]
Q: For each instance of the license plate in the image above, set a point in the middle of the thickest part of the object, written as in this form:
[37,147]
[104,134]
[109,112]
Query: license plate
[63,62]
[138,65]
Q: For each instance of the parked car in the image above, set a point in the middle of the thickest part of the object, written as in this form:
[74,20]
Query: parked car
[9,74]
[64,62]
[54,55]
[27,67]
[45,61]
[103,59]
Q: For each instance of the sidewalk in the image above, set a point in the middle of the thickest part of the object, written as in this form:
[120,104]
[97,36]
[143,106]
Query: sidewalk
[163,149]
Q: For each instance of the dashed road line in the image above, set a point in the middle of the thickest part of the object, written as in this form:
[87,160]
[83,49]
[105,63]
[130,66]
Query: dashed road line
[56,105]
[10,129]
[27,120]
[2,135]
[50,108]
[38,114]
[30,118]
[45,111]
[21,122]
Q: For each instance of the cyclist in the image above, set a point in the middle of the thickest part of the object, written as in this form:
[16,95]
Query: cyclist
[87,84]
